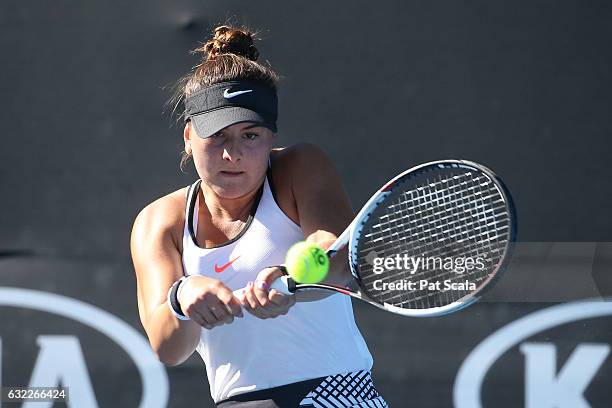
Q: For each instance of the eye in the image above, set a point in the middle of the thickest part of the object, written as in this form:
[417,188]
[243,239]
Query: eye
[216,138]
[251,136]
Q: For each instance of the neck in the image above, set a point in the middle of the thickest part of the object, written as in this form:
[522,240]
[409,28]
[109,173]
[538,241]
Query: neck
[228,209]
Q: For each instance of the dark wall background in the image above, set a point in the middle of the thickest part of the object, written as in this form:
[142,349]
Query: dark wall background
[523,87]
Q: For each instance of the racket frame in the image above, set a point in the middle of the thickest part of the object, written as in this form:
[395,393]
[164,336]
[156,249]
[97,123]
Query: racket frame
[351,235]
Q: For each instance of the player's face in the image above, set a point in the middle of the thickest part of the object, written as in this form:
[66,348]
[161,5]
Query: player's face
[233,161]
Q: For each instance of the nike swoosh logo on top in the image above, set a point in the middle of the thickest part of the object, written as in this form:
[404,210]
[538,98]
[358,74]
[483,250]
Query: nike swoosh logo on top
[229,95]
[220,269]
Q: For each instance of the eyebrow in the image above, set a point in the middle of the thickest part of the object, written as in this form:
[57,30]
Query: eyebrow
[252,126]
[244,128]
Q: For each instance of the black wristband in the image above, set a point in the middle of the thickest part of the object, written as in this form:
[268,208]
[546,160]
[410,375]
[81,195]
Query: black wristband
[173,302]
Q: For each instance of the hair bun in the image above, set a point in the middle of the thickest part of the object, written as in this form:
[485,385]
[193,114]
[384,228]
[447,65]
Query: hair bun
[230,40]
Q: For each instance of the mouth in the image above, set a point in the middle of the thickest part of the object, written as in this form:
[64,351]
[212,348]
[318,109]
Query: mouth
[231,173]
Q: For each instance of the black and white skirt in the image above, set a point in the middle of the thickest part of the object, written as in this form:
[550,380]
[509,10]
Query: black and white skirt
[348,390]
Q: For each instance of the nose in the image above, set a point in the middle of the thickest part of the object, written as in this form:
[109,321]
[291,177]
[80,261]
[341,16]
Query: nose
[232,151]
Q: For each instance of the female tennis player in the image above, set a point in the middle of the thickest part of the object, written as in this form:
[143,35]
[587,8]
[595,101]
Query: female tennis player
[231,229]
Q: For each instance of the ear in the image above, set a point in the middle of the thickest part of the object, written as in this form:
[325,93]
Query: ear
[187,137]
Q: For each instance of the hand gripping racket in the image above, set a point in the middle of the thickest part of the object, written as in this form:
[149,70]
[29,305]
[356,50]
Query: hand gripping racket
[429,242]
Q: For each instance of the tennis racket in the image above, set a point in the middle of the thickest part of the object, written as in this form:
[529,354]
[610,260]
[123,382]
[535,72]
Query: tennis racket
[429,242]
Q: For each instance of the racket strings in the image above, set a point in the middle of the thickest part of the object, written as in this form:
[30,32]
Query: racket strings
[430,273]
[452,275]
[419,200]
[444,224]
[435,225]
[436,221]
[458,237]
[464,228]
[453,189]
[462,215]
[417,210]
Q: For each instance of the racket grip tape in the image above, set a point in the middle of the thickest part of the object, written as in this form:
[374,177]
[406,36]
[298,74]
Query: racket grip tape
[284,284]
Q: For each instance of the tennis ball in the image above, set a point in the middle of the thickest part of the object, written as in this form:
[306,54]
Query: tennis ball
[307,263]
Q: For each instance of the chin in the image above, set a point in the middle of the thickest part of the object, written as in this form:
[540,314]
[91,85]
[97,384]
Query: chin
[230,194]
[230,191]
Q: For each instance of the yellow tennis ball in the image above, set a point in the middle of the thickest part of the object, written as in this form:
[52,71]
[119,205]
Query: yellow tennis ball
[307,263]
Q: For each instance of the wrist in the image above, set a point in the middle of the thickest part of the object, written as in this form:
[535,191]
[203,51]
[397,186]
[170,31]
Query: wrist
[173,302]
[181,288]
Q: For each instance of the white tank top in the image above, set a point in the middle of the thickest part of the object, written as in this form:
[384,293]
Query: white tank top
[314,339]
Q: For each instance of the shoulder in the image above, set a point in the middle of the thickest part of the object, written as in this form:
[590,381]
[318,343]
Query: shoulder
[316,190]
[293,169]
[300,151]
[299,158]
[165,215]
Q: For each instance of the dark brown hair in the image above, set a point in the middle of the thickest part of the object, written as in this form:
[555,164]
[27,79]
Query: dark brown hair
[230,55]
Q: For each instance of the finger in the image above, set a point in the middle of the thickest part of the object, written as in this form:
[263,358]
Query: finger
[270,274]
[261,293]
[198,319]
[257,313]
[278,298]
[246,306]
[219,310]
[231,303]
[201,320]
[282,302]
[249,296]
[242,299]
[272,309]
[253,303]
[279,309]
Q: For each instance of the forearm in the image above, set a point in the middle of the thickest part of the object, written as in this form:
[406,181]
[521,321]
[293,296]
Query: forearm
[172,340]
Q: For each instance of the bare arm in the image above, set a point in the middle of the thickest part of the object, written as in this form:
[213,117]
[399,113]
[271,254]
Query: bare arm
[157,262]
[324,211]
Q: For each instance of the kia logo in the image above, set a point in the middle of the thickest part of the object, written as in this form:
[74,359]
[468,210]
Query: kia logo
[545,384]
[60,357]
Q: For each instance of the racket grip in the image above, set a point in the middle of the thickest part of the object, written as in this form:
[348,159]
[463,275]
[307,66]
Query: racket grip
[284,285]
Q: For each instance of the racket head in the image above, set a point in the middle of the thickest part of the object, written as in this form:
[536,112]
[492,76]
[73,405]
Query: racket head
[447,209]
